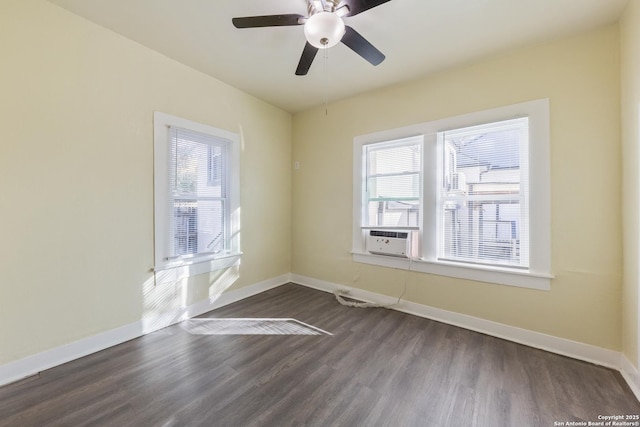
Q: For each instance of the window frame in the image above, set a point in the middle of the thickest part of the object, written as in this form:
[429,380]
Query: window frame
[177,267]
[366,199]
[538,275]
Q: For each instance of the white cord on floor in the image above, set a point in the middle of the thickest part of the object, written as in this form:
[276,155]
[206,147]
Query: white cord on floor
[340,293]
[339,296]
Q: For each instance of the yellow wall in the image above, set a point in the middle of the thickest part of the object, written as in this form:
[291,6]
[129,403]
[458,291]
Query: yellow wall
[630,71]
[581,77]
[76,178]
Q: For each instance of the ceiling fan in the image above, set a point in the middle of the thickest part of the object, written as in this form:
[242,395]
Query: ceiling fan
[324,27]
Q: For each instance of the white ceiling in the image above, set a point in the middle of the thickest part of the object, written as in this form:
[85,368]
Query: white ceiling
[418,37]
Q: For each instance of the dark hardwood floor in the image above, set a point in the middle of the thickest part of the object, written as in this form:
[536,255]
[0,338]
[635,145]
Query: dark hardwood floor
[377,368]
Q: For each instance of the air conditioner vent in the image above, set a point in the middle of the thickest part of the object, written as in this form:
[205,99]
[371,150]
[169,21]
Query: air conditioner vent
[385,233]
[398,243]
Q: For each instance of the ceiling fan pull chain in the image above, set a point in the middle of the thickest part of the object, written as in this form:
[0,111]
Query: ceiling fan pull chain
[326,82]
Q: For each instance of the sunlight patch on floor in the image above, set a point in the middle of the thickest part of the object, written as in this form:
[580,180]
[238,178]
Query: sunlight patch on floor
[250,326]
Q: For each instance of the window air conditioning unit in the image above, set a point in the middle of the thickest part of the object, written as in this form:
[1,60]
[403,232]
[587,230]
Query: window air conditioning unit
[398,243]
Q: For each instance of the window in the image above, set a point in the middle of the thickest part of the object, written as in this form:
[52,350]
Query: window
[475,187]
[196,185]
[392,183]
[482,197]
[198,193]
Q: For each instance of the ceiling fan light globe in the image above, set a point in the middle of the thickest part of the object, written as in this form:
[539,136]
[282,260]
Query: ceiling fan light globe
[324,30]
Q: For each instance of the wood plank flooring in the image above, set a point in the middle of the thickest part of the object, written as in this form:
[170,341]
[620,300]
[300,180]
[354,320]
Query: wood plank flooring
[377,368]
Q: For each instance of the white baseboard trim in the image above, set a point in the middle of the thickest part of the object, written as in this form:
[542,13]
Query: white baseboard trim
[630,374]
[562,346]
[31,365]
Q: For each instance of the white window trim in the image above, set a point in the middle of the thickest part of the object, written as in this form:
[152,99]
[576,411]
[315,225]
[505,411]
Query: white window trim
[538,275]
[186,267]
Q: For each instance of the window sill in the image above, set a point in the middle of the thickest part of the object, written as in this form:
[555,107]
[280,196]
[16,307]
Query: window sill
[502,276]
[177,270]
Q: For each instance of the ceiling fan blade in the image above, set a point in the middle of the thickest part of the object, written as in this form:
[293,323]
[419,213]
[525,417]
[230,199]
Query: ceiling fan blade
[359,6]
[361,46]
[308,54]
[268,21]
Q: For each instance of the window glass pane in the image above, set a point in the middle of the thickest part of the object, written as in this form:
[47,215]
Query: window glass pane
[394,159]
[392,184]
[482,232]
[394,213]
[199,169]
[185,227]
[481,197]
[187,170]
[483,159]
[198,191]
[198,226]
[215,166]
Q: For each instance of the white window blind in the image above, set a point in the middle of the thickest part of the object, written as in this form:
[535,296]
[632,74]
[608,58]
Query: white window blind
[198,193]
[483,212]
[392,183]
